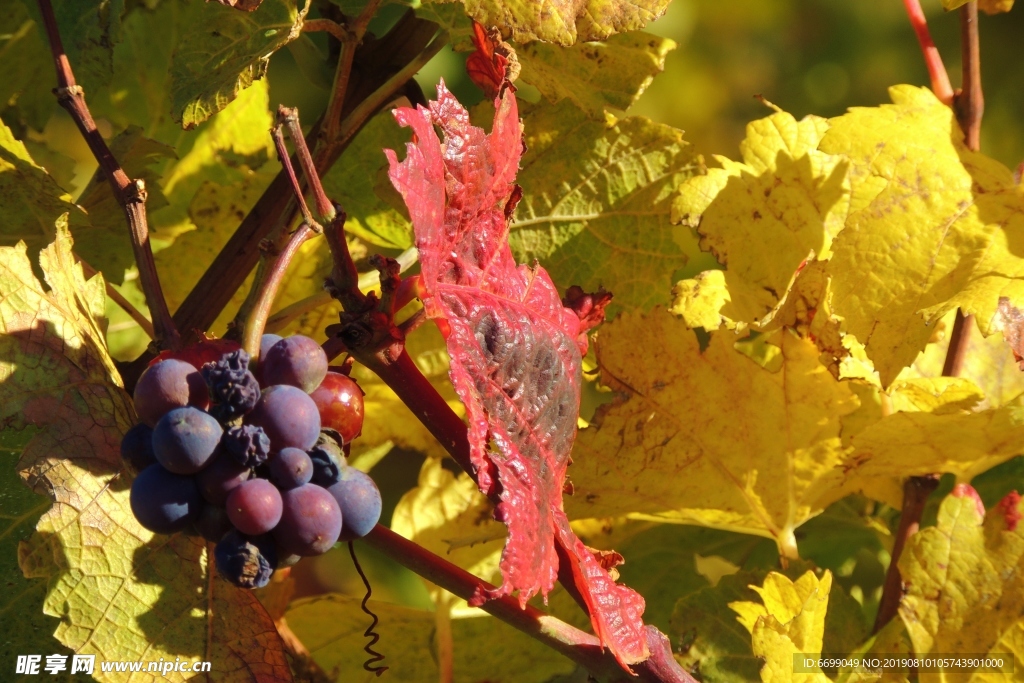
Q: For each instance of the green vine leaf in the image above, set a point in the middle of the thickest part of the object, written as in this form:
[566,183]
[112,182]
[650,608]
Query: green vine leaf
[225,53]
[118,591]
[596,205]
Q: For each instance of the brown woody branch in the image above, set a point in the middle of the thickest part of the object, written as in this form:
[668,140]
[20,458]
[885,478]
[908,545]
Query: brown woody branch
[377,63]
[130,194]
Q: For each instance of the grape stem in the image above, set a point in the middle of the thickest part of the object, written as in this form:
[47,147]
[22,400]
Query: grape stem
[386,67]
[579,646]
[130,194]
[936,69]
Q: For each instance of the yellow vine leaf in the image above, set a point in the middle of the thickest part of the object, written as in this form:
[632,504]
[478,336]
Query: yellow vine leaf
[965,584]
[791,620]
[950,439]
[115,589]
[763,217]
[715,437]
[932,226]
[448,515]
[699,300]
[988,363]
[332,627]
[986,6]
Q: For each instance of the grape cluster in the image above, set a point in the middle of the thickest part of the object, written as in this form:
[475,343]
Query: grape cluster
[251,456]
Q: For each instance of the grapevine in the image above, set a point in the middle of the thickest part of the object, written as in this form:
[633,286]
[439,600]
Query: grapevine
[671,412]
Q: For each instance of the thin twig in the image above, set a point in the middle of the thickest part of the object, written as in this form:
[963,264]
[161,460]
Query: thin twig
[289,117]
[915,495]
[289,169]
[933,61]
[355,30]
[332,27]
[956,352]
[119,299]
[257,318]
[970,101]
[130,194]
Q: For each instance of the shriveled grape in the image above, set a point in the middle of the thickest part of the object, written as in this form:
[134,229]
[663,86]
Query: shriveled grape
[245,561]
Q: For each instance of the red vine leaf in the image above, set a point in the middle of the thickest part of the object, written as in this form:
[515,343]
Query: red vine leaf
[515,352]
[493,62]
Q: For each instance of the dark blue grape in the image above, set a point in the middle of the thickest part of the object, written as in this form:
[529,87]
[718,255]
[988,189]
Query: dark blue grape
[327,461]
[359,499]
[185,439]
[137,447]
[245,561]
[233,389]
[290,468]
[164,502]
[310,523]
[248,445]
[167,385]
[222,476]
[298,361]
[254,507]
[288,416]
[213,523]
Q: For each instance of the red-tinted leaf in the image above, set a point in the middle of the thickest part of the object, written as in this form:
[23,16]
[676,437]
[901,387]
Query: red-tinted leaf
[492,62]
[516,360]
[1010,320]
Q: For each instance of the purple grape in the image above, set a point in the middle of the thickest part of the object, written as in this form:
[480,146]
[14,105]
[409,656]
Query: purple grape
[249,445]
[245,561]
[290,468]
[185,439]
[327,462]
[310,523]
[233,389]
[222,476]
[137,447]
[213,523]
[254,507]
[359,499]
[164,502]
[167,385]
[266,341]
[298,361]
[288,416]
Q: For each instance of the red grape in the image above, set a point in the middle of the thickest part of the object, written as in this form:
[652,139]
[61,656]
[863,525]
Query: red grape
[340,402]
[311,521]
[254,507]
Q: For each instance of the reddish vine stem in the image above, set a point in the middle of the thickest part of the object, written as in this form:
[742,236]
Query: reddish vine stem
[915,495]
[579,646]
[130,194]
[354,32]
[933,61]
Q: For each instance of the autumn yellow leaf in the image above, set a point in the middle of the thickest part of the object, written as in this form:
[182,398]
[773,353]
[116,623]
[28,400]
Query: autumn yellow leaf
[763,217]
[710,437]
[115,589]
[931,227]
[790,621]
[965,584]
